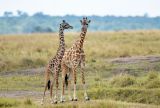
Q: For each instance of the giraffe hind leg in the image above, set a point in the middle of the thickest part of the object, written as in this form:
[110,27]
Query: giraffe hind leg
[75,81]
[42,101]
[64,78]
[69,85]
[47,72]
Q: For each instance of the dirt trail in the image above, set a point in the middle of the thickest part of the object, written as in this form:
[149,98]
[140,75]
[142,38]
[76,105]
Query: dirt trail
[34,71]
[20,94]
[136,59]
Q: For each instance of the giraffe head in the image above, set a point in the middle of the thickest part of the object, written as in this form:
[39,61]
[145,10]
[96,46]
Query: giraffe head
[85,22]
[64,25]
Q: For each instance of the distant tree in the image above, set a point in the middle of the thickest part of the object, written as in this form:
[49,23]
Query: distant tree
[19,12]
[7,14]
[146,15]
[41,29]
[38,14]
[22,14]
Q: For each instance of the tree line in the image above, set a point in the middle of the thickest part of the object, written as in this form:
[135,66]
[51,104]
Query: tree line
[40,22]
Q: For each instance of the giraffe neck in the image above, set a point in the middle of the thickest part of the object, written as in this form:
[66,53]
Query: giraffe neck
[82,37]
[61,37]
[61,48]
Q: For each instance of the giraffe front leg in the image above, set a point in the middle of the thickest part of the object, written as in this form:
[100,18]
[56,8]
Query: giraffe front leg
[75,81]
[62,94]
[83,76]
[84,87]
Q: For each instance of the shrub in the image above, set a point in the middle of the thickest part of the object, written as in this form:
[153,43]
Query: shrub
[40,62]
[26,62]
[123,81]
[127,94]
[27,102]
[4,102]
[152,75]
[155,83]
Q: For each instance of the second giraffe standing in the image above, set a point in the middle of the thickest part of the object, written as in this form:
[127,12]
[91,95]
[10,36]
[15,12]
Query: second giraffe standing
[73,58]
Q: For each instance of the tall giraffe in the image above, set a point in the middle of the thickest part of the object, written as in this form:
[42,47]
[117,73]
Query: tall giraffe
[53,66]
[73,58]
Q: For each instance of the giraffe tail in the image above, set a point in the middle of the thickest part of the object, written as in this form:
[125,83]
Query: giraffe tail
[66,80]
[48,82]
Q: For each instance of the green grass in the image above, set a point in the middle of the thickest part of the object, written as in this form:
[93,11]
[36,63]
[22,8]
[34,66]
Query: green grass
[27,103]
[143,89]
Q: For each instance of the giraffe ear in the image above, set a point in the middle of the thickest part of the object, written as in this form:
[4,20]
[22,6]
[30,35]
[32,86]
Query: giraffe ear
[89,21]
[81,21]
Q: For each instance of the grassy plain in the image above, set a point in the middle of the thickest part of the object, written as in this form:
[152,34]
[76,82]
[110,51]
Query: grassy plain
[34,50]
[132,81]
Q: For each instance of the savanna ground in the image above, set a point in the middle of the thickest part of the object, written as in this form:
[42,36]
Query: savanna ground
[122,69]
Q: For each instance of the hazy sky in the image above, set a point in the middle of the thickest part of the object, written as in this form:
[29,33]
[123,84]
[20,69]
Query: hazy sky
[83,7]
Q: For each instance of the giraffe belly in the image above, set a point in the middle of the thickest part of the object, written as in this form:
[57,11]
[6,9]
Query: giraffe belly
[68,64]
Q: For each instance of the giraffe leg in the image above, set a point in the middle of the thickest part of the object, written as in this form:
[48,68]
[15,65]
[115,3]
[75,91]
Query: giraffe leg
[46,84]
[56,80]
[75,81]
[42,101]
[69,89]
[64,72]
[83,76]
[51,91]
[84,85]
[62,94]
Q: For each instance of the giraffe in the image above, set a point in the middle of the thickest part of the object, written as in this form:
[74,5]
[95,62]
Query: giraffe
[73,58]
[53,66]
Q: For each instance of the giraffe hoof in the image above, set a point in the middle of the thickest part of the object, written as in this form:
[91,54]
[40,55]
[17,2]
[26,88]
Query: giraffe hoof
[71,99]
[55,102]
[87,98]
[62,101]
[41,103]
[75,99]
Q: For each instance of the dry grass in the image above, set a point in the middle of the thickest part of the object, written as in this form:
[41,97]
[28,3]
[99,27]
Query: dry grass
[34,50]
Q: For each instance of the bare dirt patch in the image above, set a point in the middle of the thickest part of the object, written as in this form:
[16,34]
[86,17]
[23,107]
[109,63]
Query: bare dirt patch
[31,72]
[136,59]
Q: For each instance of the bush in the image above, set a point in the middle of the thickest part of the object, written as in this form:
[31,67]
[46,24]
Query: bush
[40,62]
[4,102]
[123,81]
[27,102]
[152,75]
[127,94]
[155,83]
[26,62]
